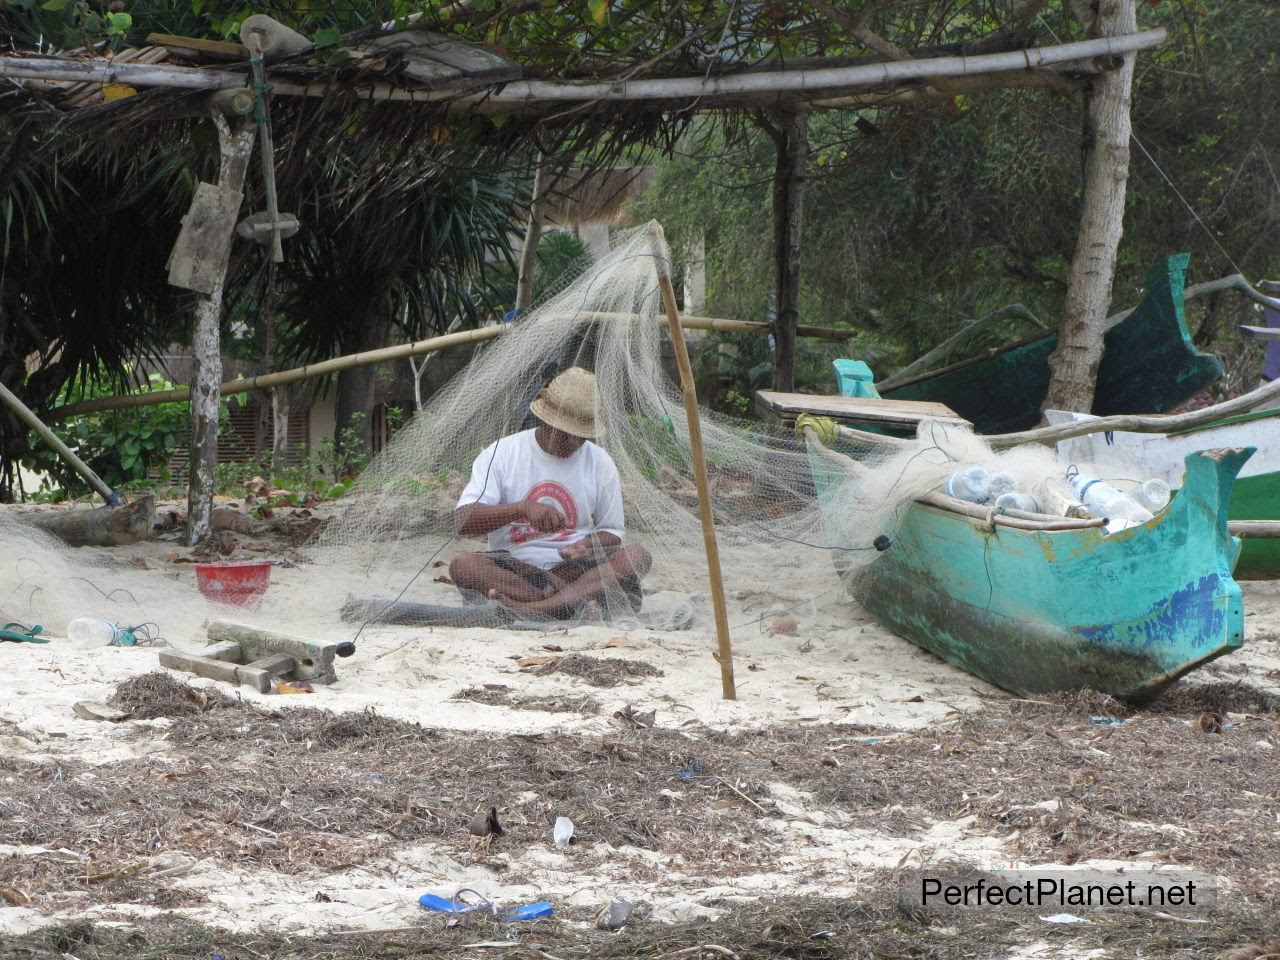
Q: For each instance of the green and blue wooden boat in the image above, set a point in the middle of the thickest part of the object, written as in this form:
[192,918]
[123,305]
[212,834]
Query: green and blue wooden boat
[1255,495]
[1041,610]
[1150,365]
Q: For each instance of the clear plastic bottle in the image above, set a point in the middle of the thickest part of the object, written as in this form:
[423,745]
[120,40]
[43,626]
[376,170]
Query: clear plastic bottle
[1055,496]
[1153,494]
[1000,484]
[87,632]
[1103,500]
[969,484]
[1015,500]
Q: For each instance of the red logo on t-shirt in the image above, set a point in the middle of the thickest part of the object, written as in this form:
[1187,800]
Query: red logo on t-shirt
[556,495]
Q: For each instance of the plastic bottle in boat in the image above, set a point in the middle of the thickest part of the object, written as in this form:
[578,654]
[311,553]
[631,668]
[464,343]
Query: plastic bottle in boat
[87,632]
[1016,500]
[969,484]
[1104,500]
[1000,484]
[1153,494]
[1056,497]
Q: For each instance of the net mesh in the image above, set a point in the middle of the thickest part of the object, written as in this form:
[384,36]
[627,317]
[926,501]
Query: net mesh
[787,517]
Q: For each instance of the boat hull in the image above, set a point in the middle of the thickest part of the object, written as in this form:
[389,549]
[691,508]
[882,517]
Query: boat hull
[1036,611]
[1150,365]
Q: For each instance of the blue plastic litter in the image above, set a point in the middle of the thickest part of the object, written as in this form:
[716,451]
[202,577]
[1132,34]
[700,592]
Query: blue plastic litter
[1106,722]
[695,768]
[528,911]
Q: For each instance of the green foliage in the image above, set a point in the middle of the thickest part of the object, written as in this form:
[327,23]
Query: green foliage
[943,213]
[120,446]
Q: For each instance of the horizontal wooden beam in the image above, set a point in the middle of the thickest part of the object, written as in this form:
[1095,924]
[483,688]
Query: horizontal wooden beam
[400,352]
[804,83]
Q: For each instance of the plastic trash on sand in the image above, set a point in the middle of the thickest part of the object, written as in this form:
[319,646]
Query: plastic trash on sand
[563,831]
[455,905]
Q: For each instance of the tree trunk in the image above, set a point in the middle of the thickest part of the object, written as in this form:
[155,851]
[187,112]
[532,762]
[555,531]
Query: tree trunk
[103,527]
[356,391]
[1079,352]
[791,140]
[529,252]
[235,149]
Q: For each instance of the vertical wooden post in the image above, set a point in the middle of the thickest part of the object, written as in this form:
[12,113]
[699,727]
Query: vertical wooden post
[689,389]
[529,252]
[791,141]
[235,149]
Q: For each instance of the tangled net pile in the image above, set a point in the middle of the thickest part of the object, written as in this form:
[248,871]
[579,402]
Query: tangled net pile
[395,532]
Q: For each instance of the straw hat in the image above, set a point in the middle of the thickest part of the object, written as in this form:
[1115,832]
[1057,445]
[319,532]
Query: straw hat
[568,403]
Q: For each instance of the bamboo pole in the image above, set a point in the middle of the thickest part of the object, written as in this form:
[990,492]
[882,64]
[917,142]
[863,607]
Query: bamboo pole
[48,436]
[267,149]
[689,388]
[1254,529]
[1139,423]
[523,92]
[401,352]
[265,381]
[722,325]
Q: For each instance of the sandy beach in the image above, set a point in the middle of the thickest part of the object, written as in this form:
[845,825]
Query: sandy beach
[851,765]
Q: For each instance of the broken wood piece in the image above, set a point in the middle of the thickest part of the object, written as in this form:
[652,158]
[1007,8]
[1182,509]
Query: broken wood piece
[225,518]
[100,527]
[202,666]
[315,661]
[88,710]
[200,255]
[273,38]
[261,674]
[222,650]
[257,227]
[218,48]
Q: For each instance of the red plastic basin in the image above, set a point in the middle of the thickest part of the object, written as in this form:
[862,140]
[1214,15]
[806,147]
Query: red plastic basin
[240,583]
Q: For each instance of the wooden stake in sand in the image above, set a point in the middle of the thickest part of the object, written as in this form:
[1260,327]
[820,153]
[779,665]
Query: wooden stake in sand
[699,464]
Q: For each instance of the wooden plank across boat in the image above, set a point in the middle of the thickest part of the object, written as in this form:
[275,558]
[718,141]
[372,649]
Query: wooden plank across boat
[1254,496]
[1150,366]
[1036,608]
[898,415]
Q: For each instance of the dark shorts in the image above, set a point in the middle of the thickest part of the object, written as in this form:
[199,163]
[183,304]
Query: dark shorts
[566,572]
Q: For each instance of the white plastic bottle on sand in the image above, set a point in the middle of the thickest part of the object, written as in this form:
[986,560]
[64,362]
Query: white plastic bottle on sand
[1153,494]
[84,633]
[969,484]
[1104,500]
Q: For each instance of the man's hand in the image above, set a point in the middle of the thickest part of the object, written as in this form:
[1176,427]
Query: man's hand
[578,550]
[543,516]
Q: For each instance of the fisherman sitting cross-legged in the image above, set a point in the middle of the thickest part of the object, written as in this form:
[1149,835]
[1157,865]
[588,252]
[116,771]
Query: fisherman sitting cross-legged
[551,504]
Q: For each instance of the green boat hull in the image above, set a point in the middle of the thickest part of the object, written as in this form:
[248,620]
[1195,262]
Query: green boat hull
[1150,365]
[1036,612]
[1257,498]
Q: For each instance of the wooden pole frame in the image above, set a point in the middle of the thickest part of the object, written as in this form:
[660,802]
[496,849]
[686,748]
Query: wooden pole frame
[512,95]
[687,385]
[401,352]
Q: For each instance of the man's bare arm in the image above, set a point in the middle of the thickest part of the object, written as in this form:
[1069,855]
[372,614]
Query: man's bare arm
[476,519]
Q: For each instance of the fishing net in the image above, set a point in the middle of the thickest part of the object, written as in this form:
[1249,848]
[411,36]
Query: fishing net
[794,524]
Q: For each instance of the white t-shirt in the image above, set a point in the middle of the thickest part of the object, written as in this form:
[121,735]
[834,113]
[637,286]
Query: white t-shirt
[584,487]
